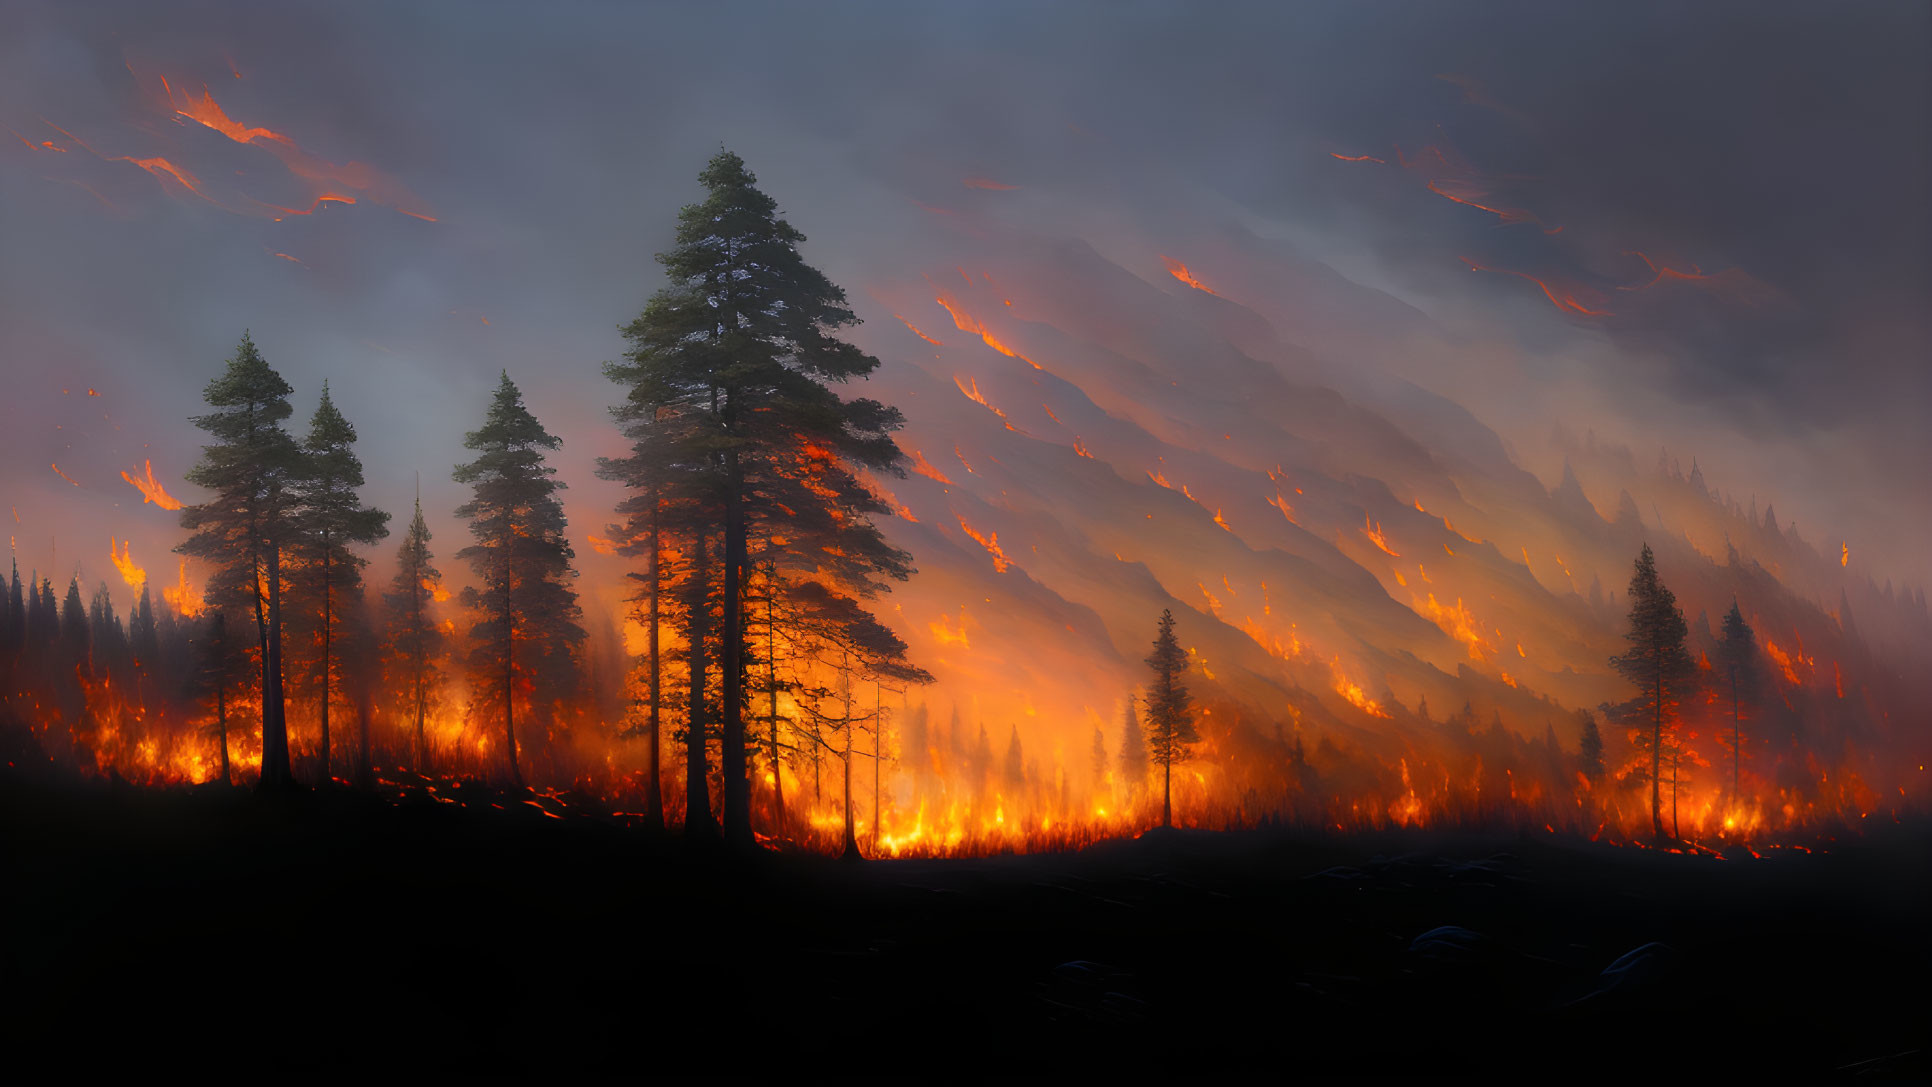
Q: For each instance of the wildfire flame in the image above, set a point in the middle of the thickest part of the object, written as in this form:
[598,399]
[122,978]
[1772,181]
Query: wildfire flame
[150,488]
[124,562]
[1179,271]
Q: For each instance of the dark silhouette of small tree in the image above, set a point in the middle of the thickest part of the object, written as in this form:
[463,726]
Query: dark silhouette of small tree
[528,626]
[330,517]
[1099,758]
[1133,753]
[1589,750]
[1738,656]
[1170,720]
[242,531]
[1658,664]
[414,645]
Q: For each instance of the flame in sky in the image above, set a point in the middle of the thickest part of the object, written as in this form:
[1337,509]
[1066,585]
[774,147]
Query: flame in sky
[965,322]
[989,541]
[124,562]
[150,488]
[1356,158]
[61,474]
[924,467]
[916,332]
[1373,530]
[1563,300]
[1179,271]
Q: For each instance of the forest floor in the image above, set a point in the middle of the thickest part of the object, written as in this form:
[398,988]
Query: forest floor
[216,930]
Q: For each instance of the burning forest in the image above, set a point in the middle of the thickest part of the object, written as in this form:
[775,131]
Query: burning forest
[1086,480]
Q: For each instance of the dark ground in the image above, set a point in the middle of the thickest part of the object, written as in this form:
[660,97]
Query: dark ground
[218,931]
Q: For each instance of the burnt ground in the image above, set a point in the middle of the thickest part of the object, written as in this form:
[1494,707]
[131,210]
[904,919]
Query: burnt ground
[220,931]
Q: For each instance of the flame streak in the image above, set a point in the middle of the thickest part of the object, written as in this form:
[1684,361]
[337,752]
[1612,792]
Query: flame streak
[1356,158]
[924,467]
[916,332]
[124,562]
[991,542]
[61,474]
[967,323]
[1567,302]
[151,489]
[1179,271]
[1373,530]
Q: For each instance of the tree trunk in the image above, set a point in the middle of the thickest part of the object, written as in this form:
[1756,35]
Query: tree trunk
[1657,762]
[851,840]
[422,743]
[771,692]
[737,787]
[698,823]
[275,766]
[878,726]
[1735,750]
[654,785]
[510,684]
[1167,792]
[328,623]
[221,726]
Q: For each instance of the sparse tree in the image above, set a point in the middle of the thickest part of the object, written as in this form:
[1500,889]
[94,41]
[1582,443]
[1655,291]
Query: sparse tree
[731,361]
[1658,664]
[414,643]
[1170,718]
[1738,656]
[329,521]
[527,632]
[242,531]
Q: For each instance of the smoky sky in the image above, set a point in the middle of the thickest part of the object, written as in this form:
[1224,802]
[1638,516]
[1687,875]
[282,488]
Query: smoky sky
[1778,149]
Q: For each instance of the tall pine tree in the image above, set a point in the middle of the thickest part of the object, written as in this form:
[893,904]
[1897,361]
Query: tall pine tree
[1738,654]
[1658,664]
[413,644]
[330,520]
[527,633]
[1170,718]
[241,532]
[729,368]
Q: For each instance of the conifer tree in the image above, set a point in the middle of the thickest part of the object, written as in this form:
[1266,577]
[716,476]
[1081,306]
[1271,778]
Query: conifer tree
[1658,664]
[1170,720]
[242,532]
[1738,654]
[728,376]
[1589,750]
[330,519]
[1133,751]
[527,629]
[1099,758]
[413,642]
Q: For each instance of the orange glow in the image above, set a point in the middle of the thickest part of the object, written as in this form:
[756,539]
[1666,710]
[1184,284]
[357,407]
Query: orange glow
[1179,271]
[1373,530]
[991,542]
[124,562]
[436,591]
[1353,693]
[947,634]
[1458,624]
[1844,555]
[207,112]
[600,545]
[924,467]
[1081,449]
[1356,158]
[61,474]
[967,323]
[916,332]
[182,596]
[151,489]
[1567,302]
